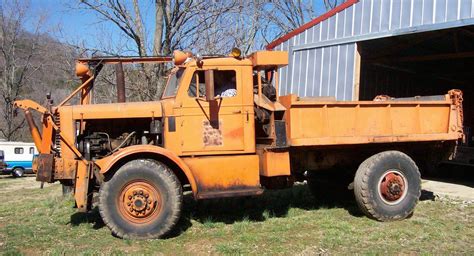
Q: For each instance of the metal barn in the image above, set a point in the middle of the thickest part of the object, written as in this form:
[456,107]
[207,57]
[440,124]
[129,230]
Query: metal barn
[400,48]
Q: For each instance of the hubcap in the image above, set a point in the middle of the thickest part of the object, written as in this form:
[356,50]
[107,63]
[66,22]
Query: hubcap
[392,187]
[139,202]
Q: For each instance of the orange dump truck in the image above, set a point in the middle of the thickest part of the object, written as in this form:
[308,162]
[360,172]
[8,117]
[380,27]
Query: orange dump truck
[221,130]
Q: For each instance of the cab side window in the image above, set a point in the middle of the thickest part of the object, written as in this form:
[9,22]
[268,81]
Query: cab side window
[32,150]
[197,82]
[225,83]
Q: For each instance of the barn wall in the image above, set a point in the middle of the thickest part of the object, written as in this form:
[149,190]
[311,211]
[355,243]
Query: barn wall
[322,58]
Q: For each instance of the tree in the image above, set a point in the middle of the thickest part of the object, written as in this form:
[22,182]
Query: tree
[331,4]
[283,16]
[289,15]
[178,24]
[18,52]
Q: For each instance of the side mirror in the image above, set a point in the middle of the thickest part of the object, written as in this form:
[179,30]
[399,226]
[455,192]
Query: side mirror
[209,80]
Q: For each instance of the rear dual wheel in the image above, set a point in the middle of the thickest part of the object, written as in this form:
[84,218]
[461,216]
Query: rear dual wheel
[387,186]
[141,201]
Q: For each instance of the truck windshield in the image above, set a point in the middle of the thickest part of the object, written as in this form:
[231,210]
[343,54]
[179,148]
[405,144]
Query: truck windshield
[173,83]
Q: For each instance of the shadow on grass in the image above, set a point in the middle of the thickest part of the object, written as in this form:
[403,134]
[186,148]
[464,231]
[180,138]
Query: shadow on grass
[92,216]
[273,203]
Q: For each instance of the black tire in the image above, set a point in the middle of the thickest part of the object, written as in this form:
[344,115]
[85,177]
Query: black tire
[387,186]
[161,185]
[18,172]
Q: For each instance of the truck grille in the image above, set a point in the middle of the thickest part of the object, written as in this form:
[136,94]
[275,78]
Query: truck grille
[57,138]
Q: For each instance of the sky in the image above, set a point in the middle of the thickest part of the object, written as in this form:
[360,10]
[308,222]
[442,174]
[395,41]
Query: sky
[78,26]
[73,25]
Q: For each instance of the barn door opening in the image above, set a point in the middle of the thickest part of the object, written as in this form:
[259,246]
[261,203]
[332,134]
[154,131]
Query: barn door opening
[428,63]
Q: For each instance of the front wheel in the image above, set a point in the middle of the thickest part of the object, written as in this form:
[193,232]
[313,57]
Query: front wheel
[142,200]
[387,186]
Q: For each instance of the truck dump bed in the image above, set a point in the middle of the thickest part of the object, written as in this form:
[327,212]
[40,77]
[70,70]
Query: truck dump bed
[321,122]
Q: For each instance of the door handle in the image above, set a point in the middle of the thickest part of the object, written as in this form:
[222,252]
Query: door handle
[237,112]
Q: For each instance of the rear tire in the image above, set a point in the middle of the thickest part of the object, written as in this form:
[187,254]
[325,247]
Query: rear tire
[18,172]
[142,200]
[387,186]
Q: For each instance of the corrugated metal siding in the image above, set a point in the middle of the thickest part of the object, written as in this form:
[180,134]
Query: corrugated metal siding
[318,67]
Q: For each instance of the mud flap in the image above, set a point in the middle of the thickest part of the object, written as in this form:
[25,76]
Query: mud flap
[81,190]
[43,165]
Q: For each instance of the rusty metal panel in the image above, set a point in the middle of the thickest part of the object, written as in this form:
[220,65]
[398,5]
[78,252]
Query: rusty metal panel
[64,168]
[44,167]
[325,122]
[219,174]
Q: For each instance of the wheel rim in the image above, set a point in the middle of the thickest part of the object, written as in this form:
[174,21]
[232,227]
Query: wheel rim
[18,172]
[139,202]
[392,187]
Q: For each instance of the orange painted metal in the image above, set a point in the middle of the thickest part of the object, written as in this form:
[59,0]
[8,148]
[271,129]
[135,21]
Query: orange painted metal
[106,163]
[323,123]
[29,104]
[139,202]
[82,70]
[274,163]
[82,186]
[47,133]
[64,168]
[35,135]
[122,59]
[266,59]
[179,57]
[230,119]
[81,88]
[115,110]
[225,175]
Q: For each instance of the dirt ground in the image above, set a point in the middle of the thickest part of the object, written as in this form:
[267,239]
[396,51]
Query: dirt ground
[451,190]
[452,181]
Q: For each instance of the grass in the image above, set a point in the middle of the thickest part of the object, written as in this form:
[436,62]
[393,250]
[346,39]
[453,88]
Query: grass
[35,221]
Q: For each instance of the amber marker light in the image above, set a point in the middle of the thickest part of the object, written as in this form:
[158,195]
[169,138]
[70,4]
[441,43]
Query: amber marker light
[179,57]
[236,53]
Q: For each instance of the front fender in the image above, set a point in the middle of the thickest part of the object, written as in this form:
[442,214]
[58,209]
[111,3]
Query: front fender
[107,163]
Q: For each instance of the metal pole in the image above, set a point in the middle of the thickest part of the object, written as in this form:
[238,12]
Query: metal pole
[120,82]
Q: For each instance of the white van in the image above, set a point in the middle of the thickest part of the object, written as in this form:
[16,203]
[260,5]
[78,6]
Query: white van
[18,157]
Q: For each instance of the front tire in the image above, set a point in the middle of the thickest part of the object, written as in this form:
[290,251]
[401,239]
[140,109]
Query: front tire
[142,200]
[387,186]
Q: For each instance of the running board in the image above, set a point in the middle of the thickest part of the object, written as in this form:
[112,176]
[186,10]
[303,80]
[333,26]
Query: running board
[230,193]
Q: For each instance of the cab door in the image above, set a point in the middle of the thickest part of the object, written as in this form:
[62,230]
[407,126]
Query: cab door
[216,126]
